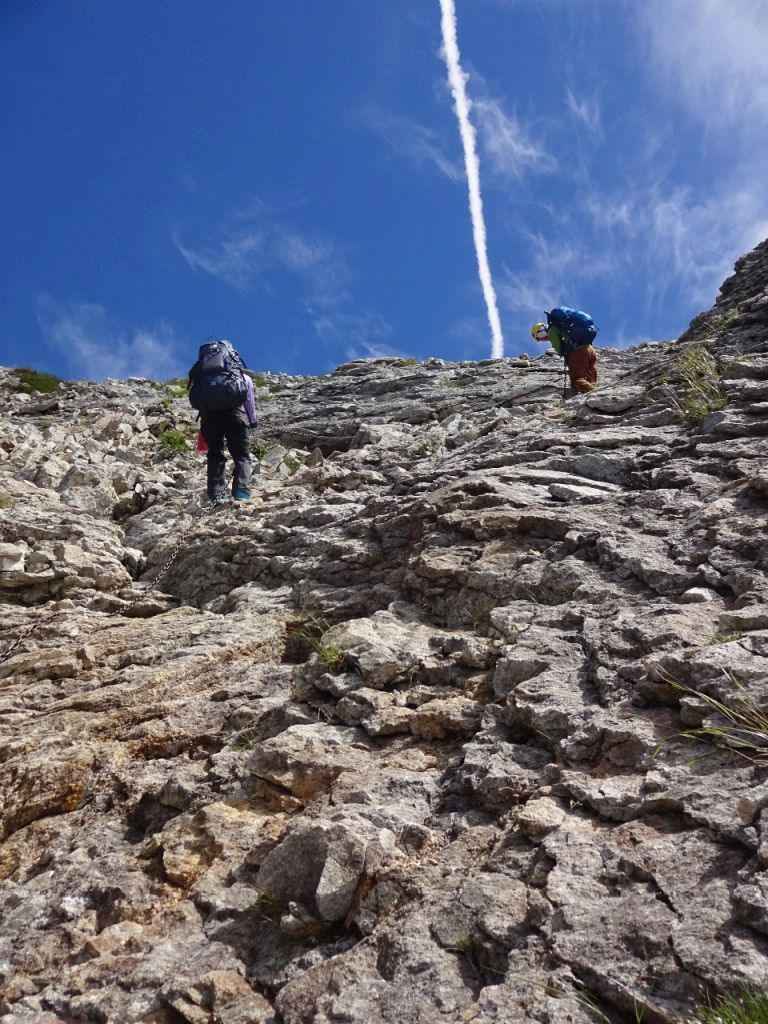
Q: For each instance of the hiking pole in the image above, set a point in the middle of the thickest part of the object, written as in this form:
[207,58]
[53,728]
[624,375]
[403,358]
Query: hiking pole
[565,380]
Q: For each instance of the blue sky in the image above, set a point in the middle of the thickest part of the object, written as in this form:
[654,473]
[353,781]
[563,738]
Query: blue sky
[289,174]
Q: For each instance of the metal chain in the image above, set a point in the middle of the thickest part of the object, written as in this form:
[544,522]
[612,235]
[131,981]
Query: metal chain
[311,435]
[307,433]
[31,629]
[4,655]
[169,562]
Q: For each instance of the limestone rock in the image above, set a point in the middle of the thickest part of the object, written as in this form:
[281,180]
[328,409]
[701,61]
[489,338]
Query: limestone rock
[461,718]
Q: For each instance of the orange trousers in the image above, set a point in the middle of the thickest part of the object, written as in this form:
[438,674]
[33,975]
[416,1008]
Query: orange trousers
[582,369]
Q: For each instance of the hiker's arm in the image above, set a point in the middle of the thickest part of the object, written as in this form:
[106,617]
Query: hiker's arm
[556,339]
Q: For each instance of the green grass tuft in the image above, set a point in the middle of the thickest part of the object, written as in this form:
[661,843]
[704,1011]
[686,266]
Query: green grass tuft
[331,656]
[697,377]
[719,323]
[481,615]
[243,741]
[746,1008]
[727,638]
[268,904]
[740,724]
[33,380]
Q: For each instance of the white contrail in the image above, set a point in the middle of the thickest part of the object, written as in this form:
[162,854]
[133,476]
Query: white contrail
[457,80]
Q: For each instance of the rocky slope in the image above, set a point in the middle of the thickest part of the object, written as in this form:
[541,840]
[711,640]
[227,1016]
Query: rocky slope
[438,728]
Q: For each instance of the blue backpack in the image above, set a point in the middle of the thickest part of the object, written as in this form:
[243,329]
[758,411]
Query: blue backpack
[576,327]
[216,381]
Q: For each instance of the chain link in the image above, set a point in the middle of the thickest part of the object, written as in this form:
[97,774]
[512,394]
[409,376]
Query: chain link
[307,433]
[169,562]
[27,632]
[4,655]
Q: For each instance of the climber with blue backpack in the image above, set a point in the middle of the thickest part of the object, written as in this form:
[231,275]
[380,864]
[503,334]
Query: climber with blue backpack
[223,394]
[571,333]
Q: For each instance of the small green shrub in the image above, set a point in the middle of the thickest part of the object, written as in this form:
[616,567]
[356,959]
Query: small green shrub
[33,380]
[6,501]
[260,447]
[177,390]
[259,380]
[292,462]
[408,361]
[172,442]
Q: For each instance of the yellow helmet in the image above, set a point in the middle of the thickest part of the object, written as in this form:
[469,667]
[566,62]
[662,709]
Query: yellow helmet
[539,332]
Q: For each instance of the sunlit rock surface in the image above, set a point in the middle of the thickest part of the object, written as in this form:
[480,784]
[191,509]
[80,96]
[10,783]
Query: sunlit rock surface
[434,729]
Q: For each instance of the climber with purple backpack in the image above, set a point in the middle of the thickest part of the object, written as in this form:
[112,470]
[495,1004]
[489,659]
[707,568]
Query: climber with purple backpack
[223,393]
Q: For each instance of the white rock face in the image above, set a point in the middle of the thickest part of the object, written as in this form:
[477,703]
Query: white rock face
[435,727]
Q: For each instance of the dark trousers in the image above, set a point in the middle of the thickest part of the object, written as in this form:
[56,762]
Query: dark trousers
[230,428]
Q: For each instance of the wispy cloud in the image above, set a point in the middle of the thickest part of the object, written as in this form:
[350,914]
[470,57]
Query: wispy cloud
[238,258]
[418,144]
[696,238]
[655,223]
[360,335]
[95,347]
[555,271]
[585,110]
[708,59]
[509,149]
[713,56]
[507,146]
[247,250]
[668,245]
[457,81]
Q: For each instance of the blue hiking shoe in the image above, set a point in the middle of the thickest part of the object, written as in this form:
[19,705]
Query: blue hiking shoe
[219,499]
[241,495]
